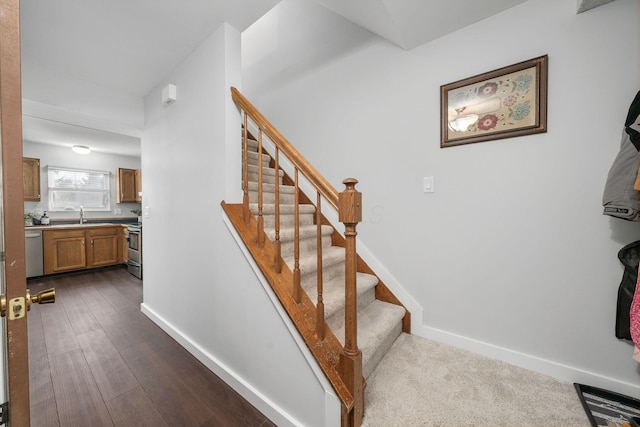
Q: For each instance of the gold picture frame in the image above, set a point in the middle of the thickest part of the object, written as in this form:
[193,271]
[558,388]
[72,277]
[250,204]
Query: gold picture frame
[503,103]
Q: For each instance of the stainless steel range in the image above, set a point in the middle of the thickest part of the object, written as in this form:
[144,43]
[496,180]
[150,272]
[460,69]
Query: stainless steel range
[134,263]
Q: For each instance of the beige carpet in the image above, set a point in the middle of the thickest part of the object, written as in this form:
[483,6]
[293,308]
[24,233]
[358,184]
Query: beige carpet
[424,383]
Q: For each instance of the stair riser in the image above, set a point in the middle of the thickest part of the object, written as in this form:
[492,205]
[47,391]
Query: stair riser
[336,320]
[253,155]
[308,270]
[307,246]
[270,198]
[383,348]
[285,220]
[329,272]
[265,163]
[253,170]
[251,144]
[267,179]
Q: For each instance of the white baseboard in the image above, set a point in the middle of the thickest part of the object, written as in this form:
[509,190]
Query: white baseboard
[553,369]
[253,396]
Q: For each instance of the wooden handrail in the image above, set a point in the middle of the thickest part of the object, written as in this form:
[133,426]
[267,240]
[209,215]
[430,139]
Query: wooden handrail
[314,177]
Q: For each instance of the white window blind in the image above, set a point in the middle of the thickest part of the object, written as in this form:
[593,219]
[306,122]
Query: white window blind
[71,188]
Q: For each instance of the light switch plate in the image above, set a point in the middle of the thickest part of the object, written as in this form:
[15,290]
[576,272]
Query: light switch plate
[427,184]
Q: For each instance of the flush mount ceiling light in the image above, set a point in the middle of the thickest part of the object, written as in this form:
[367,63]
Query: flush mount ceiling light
[81,149]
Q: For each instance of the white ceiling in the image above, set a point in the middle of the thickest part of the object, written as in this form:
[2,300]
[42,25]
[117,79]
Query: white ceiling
[411,23]
[65,135]
[130,45]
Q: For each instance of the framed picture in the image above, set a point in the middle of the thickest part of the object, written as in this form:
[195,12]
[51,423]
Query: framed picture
[507,102]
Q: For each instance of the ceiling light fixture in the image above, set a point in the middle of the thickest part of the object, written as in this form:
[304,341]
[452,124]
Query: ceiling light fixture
[81,149]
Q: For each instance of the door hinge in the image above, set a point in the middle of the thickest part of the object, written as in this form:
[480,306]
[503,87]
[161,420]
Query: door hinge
[2,256]
[4,413]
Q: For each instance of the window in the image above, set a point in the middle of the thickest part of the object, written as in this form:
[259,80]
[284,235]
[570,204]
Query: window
[71,188]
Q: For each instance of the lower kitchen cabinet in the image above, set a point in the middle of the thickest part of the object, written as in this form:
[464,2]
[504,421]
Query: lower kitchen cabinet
[64,250]
[103,246]
[80,248]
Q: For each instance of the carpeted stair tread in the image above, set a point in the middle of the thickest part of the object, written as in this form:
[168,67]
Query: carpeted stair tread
[304,232]
[271,188]
[287,193]
[308,243]
[253,169]
[379,324]
[333,296]
[308,262]
[253,157]
[270,209]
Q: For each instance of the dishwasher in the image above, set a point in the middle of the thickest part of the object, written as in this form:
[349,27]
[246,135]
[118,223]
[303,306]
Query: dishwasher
[33,252]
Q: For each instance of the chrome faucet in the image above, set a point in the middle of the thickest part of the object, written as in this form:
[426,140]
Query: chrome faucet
[81,215]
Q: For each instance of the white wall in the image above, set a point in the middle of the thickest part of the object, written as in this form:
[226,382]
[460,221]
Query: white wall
[511,256]
[198,285]
[51,155]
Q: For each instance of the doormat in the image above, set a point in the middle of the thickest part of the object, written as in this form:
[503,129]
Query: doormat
[606,408]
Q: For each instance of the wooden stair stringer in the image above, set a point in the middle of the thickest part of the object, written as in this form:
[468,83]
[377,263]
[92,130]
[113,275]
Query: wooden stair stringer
[303,315]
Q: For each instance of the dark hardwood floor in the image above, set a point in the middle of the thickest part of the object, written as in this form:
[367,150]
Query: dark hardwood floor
[96,360]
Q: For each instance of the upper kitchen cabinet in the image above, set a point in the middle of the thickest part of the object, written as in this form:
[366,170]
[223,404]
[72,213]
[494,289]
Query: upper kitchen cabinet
[31,179]
[128,186]
[138,186]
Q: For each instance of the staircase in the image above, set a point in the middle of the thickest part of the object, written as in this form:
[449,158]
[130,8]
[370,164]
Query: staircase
[347,316]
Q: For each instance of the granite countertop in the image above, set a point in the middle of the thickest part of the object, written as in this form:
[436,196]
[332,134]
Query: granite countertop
[102,222]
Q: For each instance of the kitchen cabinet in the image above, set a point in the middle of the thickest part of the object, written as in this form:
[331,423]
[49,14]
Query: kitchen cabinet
[31,179]
[138,186]
[81,247]
[128,185]
[103,246]
[64,250]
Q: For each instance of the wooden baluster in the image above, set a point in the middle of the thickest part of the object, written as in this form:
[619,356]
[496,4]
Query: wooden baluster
[260,236]
[320,305]
[297,289]
[246,213]
[277,250]
[350,214]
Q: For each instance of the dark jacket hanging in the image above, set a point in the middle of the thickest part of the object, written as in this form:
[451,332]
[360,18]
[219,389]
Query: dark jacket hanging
[628,256]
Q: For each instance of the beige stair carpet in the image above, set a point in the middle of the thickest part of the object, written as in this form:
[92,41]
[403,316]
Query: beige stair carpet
[423,383]
[379,322]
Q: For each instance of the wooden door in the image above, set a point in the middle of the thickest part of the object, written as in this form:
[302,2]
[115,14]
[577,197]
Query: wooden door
[12,209]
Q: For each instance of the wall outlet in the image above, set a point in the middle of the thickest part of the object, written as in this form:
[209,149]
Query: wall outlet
[117,211]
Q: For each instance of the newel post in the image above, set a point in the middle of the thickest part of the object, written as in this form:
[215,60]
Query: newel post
[350,214]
